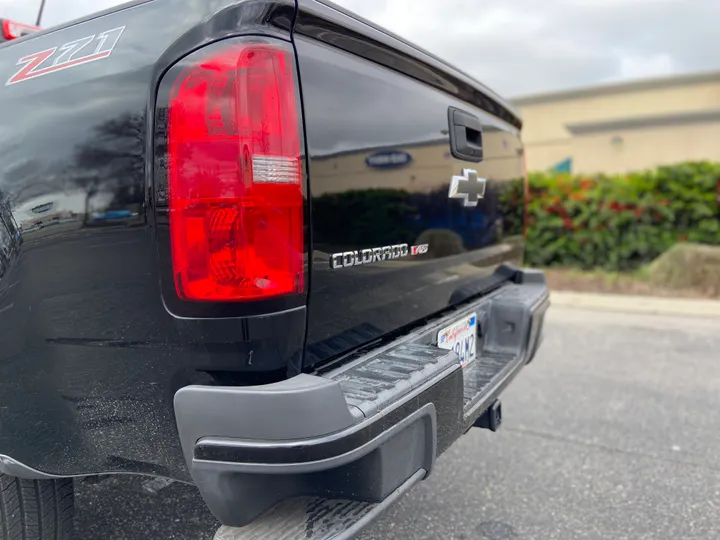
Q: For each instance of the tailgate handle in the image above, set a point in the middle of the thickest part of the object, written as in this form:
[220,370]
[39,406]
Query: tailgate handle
[465,135]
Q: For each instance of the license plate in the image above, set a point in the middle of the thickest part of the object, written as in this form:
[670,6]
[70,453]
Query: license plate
[461,337]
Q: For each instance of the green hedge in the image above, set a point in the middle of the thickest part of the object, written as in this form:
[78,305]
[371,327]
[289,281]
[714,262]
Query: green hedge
[617,222]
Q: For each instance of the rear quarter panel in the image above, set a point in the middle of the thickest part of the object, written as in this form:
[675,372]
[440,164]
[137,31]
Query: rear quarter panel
[90,357]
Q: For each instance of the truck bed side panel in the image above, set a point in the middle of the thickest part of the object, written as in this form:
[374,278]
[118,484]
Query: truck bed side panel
[90,357]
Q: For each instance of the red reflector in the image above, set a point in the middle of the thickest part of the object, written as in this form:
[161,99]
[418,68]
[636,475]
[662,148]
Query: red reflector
[235,191]
[13,30]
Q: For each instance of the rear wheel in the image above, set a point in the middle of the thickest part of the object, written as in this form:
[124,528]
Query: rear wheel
[36,509]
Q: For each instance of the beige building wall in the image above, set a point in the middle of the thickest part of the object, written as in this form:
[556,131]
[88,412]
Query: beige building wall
[646,148]
[552,122]
[540,156]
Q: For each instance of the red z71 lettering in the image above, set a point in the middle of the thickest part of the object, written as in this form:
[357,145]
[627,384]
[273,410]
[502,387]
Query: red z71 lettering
[75,53]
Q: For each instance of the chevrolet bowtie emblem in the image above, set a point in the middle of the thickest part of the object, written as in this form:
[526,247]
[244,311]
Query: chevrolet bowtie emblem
[468,187]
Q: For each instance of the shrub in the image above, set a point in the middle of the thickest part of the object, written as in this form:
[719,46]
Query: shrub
[620,222]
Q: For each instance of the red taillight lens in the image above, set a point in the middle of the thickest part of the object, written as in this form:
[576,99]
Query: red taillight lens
[13,30]
[235,181]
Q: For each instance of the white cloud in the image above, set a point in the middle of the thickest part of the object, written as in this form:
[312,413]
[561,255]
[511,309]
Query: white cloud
[520,47]
[529,46]
[635,67]
[55,12]
[22,11]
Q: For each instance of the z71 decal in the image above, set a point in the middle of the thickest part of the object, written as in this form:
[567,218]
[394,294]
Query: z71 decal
[78,52]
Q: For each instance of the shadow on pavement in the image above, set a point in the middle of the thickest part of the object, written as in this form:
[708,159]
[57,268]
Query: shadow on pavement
[121,508]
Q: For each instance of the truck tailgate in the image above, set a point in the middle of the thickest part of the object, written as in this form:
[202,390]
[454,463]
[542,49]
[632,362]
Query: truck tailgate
[392,242]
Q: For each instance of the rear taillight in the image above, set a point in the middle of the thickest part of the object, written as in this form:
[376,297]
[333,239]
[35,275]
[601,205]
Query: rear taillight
[13,30]
[235,178]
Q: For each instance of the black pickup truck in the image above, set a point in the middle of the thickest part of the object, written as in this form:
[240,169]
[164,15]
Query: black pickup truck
[260,246]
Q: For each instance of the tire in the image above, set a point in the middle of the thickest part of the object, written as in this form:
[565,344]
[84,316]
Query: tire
[36,509]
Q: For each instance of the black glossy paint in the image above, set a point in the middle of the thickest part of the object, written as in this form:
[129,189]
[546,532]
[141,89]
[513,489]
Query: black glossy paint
[93,345]
[365,95]
[89,355]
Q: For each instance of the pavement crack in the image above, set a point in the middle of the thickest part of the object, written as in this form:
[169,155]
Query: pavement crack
[611,449]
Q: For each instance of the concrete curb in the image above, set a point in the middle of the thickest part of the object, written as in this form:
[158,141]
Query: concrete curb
[648,305]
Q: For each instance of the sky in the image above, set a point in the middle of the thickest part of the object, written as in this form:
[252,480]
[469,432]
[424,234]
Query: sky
[522,47]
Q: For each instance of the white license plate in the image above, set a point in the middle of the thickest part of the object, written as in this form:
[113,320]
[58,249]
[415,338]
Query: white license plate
[461,337]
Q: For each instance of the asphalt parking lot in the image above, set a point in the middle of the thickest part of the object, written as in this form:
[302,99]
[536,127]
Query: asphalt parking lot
[613,432]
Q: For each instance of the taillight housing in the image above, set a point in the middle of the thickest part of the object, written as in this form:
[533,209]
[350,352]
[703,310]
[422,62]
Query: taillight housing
[235,195]
[15,30]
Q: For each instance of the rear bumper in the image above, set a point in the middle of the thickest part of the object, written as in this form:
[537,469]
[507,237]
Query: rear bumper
[364,430]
